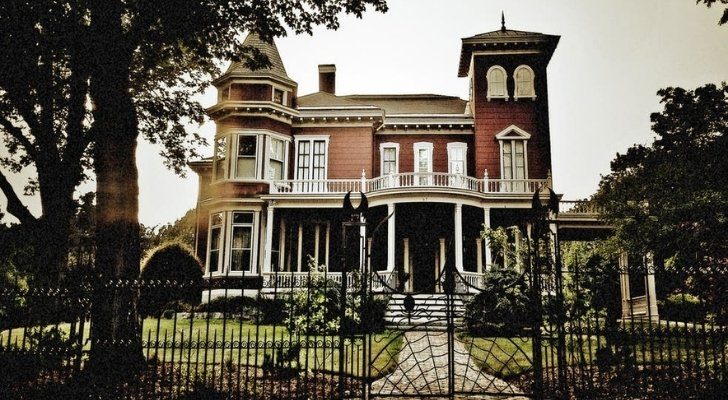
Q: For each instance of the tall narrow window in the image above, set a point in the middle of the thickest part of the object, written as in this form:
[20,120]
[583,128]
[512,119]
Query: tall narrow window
[319,160]
[278,96]
[220,165]
[277,156]
[514,159]
[241,249]
[247,150]
[497,82]
[524,82]
[423,163]
[213,259]
[456,158]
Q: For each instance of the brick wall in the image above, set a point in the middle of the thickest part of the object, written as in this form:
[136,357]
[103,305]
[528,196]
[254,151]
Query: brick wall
[350,150]
[439,151]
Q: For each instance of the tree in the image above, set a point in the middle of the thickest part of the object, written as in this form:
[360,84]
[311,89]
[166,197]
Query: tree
[670,197]
[709,3]
[43,119]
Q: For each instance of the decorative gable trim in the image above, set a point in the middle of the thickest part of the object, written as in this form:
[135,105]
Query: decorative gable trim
[513,132]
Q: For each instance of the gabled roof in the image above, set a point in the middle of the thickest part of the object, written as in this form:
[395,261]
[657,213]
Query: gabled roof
[270,50]
[505,39]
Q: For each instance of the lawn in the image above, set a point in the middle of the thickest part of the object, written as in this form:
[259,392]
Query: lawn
[507,357]
[217,341]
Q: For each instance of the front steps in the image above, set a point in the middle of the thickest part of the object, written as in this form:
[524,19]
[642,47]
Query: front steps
[429,311]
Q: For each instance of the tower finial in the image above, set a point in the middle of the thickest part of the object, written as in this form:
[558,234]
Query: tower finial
[503,21]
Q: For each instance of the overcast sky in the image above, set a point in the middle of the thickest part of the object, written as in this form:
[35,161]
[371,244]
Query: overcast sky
[612,58]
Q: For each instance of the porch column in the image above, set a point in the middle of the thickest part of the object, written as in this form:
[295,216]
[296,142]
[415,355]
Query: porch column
[406,262]
[268,239]
[624,283]
[299,254]
[391,248]
[518,238]
[282,266]
[459,237]
[441,262]
[316,242]
[650,289]
[486,223]
[479,254]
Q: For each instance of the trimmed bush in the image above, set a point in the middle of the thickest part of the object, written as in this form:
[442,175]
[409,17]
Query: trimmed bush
[175,263]
[683,308]
[502,308]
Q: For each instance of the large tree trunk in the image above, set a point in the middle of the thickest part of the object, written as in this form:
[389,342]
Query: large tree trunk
[116,343]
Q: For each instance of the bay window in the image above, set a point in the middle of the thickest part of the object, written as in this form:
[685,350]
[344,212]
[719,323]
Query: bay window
[241,247]
[247,160]
[276,158]
[220,165]
[215,243]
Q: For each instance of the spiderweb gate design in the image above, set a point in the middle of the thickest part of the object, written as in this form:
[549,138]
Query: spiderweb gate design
[435,356]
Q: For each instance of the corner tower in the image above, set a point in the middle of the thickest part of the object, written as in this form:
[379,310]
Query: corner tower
[509,101]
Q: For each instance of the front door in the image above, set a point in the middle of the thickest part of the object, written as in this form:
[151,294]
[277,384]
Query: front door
[424,251]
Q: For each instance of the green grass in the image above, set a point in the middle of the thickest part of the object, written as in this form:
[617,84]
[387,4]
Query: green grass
[509,357]
[200,342]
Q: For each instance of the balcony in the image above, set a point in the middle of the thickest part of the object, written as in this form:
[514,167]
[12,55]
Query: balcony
[407,181]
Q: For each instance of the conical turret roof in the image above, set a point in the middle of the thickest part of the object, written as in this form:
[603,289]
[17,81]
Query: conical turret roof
[276,68]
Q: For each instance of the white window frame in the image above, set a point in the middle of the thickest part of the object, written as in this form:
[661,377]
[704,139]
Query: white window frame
[451,147]
[273,95]
[311,139]
[384,146]
[417,147]
[225,164]
[269,156]
[221,247]
[513,134]
[490,94]
[531,83]
[253,243]
[256,173]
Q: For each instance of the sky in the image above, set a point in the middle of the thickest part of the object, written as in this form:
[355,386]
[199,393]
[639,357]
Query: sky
[612,58]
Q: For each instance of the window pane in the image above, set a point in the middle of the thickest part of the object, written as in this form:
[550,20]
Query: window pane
[245,167]
[303,160]
[247,145]
[276,149]
[220,154]
[215,239]
[242,218]
[240,260]
[507,161]
[241,237]
[319,159]
[423,161]
[276,170]
[214,259]
[278,96]
[217,219]
[496,83]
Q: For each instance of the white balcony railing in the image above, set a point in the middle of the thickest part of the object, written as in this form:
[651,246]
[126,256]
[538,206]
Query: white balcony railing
[578,207]
[408,180]
[300,280]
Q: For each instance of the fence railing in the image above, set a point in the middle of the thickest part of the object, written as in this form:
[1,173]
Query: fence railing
[407,180]
[578,207]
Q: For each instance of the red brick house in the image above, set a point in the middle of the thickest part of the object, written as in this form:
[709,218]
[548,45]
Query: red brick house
[272,193]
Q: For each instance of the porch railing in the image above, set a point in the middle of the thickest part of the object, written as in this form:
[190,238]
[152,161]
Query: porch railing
[293,280]
[407,180]
[578,207]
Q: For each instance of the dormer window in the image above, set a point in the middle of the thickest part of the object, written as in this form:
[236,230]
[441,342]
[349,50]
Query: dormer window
[523,76]
[497,83]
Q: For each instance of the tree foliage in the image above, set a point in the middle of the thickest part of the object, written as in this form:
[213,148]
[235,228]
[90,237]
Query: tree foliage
[671,197]
[709,3]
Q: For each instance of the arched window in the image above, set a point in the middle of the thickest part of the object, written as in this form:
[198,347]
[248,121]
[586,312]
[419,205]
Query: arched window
[497,83]
[524,82]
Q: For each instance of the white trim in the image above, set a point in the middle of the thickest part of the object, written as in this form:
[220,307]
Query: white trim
[532,83]
[232,131]
[522,135]
[489,94]
[388,145]
[457,145]
[513,157]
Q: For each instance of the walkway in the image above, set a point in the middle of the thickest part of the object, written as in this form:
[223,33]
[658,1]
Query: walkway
[423,371]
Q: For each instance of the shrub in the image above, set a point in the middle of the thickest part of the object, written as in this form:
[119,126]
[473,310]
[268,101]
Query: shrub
[231,304]
[502,308]
[175,263]
[682,307]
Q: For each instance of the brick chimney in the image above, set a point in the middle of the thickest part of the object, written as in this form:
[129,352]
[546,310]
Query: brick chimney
[327,78]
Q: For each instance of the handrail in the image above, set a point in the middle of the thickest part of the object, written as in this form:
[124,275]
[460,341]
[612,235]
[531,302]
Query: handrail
[407,180]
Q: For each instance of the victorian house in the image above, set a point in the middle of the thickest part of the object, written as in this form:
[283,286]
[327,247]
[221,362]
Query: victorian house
[270,198]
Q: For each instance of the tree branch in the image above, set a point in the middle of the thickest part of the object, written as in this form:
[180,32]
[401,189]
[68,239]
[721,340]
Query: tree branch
[15,206]
[17,133]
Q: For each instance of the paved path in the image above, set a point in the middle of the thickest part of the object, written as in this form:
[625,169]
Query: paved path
[423,370]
